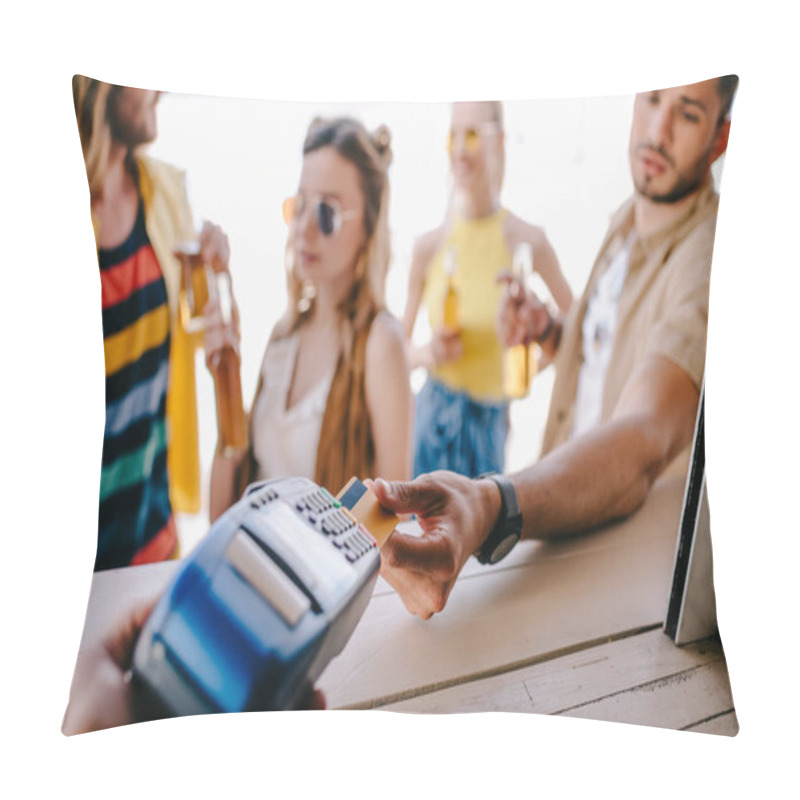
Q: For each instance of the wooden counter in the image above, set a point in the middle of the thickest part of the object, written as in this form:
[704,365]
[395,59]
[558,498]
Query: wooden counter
[571,627]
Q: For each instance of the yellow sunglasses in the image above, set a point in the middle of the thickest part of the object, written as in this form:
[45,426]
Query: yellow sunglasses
[472,136]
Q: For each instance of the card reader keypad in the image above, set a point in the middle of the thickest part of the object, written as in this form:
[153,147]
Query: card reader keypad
[314,504]
[347,534]
[327,515]
[262,497]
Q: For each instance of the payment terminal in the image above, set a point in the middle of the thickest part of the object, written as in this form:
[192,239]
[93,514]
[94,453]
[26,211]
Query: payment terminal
[264,602]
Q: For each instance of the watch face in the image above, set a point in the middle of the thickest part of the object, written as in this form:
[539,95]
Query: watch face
[503,548]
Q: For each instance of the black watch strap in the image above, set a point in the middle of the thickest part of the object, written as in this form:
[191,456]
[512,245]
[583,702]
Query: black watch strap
[506,533]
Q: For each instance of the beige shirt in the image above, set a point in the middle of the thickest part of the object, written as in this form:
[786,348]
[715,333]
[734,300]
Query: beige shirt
[663,308]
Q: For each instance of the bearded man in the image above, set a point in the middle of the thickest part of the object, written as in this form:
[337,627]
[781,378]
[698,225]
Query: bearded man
[150,467]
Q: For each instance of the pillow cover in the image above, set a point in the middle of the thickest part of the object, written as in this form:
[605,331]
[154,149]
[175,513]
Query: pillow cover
[567,626]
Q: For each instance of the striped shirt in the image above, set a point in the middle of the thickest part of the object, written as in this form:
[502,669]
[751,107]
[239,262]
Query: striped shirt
[136,524]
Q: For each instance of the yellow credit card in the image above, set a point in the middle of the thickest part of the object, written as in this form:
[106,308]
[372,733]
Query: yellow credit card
[364,506]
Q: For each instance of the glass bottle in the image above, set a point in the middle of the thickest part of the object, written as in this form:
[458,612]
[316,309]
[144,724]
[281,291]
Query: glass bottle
[451,317]
[194,284]
[225,369]
[520,361]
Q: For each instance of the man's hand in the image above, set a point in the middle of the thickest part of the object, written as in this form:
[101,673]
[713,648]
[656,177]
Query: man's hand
[456,515]
[522,317]
[100,693]
[214,247]
[100,696]
[216,334]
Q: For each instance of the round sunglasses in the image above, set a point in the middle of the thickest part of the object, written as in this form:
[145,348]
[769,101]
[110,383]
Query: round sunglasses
[327,212]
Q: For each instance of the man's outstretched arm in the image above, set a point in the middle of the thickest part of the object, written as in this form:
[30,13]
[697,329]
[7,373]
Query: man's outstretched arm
[600,476]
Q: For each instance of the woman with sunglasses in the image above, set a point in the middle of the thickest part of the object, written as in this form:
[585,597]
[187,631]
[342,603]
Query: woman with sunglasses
[462,412]
[333,398]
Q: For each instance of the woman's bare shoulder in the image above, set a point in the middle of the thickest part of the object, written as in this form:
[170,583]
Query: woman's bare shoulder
[283,327]
[386,341]
[425,247]
[518,230]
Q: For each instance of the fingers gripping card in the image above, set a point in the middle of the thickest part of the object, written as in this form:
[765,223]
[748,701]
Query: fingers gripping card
[364,506]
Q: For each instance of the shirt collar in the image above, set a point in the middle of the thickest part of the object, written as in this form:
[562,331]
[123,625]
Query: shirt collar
[674,230]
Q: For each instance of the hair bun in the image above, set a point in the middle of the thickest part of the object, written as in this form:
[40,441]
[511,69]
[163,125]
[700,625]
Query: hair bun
[382,139]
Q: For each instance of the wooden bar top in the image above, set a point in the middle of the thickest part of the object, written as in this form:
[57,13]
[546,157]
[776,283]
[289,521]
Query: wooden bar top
[570,627]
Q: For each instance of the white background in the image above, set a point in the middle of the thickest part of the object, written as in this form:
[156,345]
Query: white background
[53,392]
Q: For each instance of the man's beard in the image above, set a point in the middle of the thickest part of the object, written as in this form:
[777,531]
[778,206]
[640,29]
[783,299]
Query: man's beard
[124,132]
[686,182]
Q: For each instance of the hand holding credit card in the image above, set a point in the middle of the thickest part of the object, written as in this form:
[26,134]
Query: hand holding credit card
[360,501]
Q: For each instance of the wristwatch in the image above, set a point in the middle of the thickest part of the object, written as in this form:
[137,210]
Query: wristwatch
[506,533]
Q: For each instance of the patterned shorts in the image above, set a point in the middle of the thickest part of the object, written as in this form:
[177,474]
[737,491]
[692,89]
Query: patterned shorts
[452,431]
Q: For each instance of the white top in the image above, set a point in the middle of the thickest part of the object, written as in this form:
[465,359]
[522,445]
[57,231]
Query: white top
[285,440]
[599,328]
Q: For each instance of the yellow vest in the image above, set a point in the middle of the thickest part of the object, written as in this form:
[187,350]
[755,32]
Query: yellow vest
[481,252]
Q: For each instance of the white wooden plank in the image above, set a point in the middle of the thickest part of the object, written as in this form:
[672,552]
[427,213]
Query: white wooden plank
[678,701]
[571,680]
[553,596]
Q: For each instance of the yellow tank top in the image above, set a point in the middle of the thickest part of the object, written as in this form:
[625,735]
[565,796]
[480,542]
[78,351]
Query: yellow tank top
[480,251]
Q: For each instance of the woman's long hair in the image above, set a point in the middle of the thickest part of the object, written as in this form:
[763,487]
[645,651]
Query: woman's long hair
[346,446]
[371,155]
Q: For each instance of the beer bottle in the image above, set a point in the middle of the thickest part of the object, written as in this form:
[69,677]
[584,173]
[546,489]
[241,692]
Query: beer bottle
[520,361]
[452,303]
[194,286]
[224,368]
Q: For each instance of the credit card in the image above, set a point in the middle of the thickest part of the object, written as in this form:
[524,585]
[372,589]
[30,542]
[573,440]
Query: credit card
[364,506]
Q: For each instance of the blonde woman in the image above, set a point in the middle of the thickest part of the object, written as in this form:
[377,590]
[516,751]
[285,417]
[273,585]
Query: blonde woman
[333,398]
[462,413]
